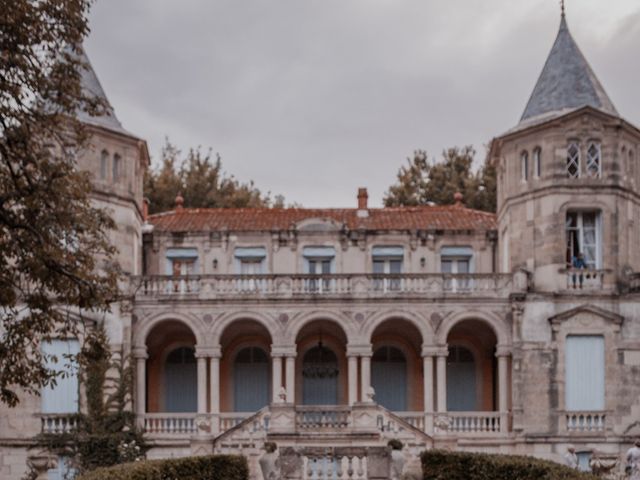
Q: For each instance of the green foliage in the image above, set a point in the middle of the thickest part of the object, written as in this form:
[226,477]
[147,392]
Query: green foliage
[441,465]
[107,434]
[422,183]
[54,248]
[202,183]
[216,467]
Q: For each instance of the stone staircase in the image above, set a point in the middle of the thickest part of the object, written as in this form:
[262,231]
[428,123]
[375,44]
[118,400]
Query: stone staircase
[327,441]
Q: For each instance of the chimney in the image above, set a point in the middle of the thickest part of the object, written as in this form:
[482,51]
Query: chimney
[363,197]
[145,209]
[458,197]
[179,202]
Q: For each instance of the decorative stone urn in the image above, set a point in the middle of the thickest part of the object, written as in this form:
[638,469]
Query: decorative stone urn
[270,462]
[397,460]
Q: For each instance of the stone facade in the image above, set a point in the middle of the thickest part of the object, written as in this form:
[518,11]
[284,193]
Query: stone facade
[461,321]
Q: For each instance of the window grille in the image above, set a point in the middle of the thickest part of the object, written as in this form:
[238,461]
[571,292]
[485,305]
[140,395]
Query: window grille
[593,160]
[573,161]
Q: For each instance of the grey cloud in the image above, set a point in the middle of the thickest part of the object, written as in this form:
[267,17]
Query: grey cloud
[313,98]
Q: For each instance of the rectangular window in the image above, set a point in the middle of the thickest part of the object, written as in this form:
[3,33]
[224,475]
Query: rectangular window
[583,232]
[182,262]
[250,262]
[594,163]
[454,262]
[61,357]
[573,160]
[117,167]
[524,166]
[319,261]
[387,262]
[585,373]
[104,161]
[537,162]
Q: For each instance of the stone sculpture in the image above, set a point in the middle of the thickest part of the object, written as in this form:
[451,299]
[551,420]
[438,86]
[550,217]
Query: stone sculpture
[270,462]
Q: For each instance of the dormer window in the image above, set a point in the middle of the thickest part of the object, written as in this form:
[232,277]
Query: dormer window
[573,160]
[524,166]
[537,162]
[593,160]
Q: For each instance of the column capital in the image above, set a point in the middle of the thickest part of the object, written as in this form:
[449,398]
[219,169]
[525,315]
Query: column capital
[432,350]
[503,351]
[359,350]
[441,351]
[206,352]
[140,352]
[283,350]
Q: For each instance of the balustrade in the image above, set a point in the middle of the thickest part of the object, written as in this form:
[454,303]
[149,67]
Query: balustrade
[170,423]
[585,422]
[308,418]
[585,279]
[334,465]
[359,285]
[476,423]
[59,423]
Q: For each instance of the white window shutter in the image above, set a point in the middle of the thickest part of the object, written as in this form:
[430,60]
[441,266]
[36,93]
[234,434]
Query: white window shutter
[585,373]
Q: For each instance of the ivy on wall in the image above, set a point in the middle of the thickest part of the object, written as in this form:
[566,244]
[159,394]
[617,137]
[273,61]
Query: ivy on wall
[107,433]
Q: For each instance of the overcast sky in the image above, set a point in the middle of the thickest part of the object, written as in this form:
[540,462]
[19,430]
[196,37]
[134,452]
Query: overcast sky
[314,98]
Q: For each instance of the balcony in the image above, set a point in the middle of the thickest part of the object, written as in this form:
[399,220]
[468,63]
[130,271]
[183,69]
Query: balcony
[585,422]
[207,287]
[587,280]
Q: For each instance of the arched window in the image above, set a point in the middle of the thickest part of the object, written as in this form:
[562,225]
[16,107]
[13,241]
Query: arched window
[461,380]
[181,381]
[117,167]
[389,378]
[320,376]
[104,164]
[573,160]
[594,163]
[252,381]
[524,166]
[537,162]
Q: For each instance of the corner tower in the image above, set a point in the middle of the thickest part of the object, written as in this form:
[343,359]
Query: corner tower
[117,160]
[567,178]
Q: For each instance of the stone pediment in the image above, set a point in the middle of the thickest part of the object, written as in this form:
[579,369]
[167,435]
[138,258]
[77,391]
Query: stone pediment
[318,224]
[592,310]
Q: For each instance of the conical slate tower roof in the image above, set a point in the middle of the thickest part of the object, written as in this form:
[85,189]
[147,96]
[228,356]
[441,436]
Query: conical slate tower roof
[91,85]
[567,82]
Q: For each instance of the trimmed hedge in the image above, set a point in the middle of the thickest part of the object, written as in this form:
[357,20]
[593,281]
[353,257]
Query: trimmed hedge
[441,465]
[214,467]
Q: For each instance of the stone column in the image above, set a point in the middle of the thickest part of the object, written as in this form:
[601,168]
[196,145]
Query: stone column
[201,359]
[353,379]
[427,367]
[290,378]
[503,353]
[442,354]
[214,386]
[365,376]
[276,378]
[140,354]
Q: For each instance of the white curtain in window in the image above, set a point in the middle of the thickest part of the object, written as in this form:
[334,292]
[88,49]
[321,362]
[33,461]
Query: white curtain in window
[63,470]
[389,381]
[252,382]
[584,373]
[181,382]
[63,398]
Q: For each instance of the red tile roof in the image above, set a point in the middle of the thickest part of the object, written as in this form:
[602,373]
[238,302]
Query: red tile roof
[453,217]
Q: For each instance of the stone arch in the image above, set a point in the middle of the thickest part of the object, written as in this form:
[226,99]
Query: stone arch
[423,325]
[225,321]
[343,322]
[497,324]
[147,324]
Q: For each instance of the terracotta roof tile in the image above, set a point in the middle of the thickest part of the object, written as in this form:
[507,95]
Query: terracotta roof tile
[452,217]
